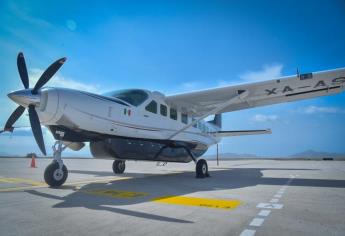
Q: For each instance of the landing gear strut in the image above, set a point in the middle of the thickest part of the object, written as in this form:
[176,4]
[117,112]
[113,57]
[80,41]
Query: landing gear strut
[56,173]
[119,166]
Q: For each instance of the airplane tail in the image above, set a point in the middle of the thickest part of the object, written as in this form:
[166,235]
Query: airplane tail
[217,120]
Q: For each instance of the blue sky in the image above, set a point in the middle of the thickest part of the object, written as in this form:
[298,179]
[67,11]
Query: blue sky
[178,46]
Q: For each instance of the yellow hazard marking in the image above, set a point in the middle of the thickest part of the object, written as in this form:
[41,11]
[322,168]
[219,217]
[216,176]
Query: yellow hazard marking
[115,193]
[20,180]
[200,202]
[43,185]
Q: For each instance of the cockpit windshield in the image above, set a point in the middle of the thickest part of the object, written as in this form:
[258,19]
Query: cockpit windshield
[134,97]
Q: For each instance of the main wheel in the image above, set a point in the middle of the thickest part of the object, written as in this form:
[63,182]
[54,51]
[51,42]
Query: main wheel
[119,166]
[201,169]
[53,176]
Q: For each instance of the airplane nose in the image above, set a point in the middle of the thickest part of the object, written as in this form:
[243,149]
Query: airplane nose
[24,97]
[16,96]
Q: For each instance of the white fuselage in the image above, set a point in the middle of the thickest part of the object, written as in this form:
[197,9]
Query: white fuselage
[84,111]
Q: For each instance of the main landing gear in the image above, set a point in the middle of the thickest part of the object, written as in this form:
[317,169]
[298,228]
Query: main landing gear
[119,166]
[201,169]
[56,173]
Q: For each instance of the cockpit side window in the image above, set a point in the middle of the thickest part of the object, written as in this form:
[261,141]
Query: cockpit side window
[152,107]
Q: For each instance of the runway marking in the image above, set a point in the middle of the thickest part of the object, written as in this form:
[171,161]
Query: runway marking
[257,222]
[270,205]
[248,232]
[76,183]
[264,212]
[274,200]
[20,180]
[115,193]
[200,202]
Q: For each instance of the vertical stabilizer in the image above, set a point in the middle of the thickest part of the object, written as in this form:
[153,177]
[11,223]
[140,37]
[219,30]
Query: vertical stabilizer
[217,120]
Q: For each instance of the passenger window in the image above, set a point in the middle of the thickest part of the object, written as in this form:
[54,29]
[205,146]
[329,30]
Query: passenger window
[164,110]
[184,118]
[152,107]
[201,127]
[196,124]
[173,114]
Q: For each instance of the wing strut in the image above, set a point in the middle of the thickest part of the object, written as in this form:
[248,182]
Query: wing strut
[223,134]
[241,94]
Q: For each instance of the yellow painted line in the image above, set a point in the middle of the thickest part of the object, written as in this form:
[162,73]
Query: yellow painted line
[106,180]
[43,185]
[115,193]
[200,202]
[20,180]
[16,189]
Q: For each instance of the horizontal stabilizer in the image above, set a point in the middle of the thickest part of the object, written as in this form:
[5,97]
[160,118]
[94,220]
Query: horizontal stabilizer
[222,134]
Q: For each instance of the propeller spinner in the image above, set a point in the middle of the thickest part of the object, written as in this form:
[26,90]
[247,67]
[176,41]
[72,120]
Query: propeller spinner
[30,98]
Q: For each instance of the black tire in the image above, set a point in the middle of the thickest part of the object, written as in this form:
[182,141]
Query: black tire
[119,166]
[201,169]
[53,176]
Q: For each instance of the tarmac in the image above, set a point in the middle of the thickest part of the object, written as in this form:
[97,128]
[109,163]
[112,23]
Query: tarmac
[242,197]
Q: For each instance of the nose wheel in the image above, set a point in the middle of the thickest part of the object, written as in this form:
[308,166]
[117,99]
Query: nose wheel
[119,166]
[54,176]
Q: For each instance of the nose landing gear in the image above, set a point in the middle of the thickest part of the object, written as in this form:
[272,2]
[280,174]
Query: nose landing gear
[56,173]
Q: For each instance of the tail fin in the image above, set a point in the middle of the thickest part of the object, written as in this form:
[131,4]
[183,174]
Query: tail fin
[217,120]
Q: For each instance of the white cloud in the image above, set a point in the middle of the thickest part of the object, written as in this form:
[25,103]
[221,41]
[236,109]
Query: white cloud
[317,109]
[264,118]
[61,81]
[268,72]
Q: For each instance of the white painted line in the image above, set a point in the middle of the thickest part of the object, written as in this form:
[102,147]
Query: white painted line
[257,222]
[270,205]
[264,212]
[274,200]
[277,196]
[248,232]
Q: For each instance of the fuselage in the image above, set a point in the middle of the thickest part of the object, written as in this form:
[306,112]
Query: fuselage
[124,127]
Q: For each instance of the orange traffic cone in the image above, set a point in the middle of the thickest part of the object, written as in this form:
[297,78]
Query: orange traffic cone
[33,161]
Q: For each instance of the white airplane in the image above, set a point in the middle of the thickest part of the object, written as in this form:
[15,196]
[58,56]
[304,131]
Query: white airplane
[137,124]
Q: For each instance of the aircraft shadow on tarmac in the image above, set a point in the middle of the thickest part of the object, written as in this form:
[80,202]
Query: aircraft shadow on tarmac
[173,185]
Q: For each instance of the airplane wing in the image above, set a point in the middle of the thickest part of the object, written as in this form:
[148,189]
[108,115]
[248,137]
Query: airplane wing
[280,90]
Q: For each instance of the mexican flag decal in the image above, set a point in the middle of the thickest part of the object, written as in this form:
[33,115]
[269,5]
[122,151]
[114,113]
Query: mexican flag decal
[127,112]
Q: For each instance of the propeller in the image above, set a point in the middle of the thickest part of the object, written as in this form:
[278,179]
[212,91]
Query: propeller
[33,116]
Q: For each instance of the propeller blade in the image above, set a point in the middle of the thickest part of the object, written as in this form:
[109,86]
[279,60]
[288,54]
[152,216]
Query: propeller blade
[36,128]
[48,73]
[23,73]
[13,118]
